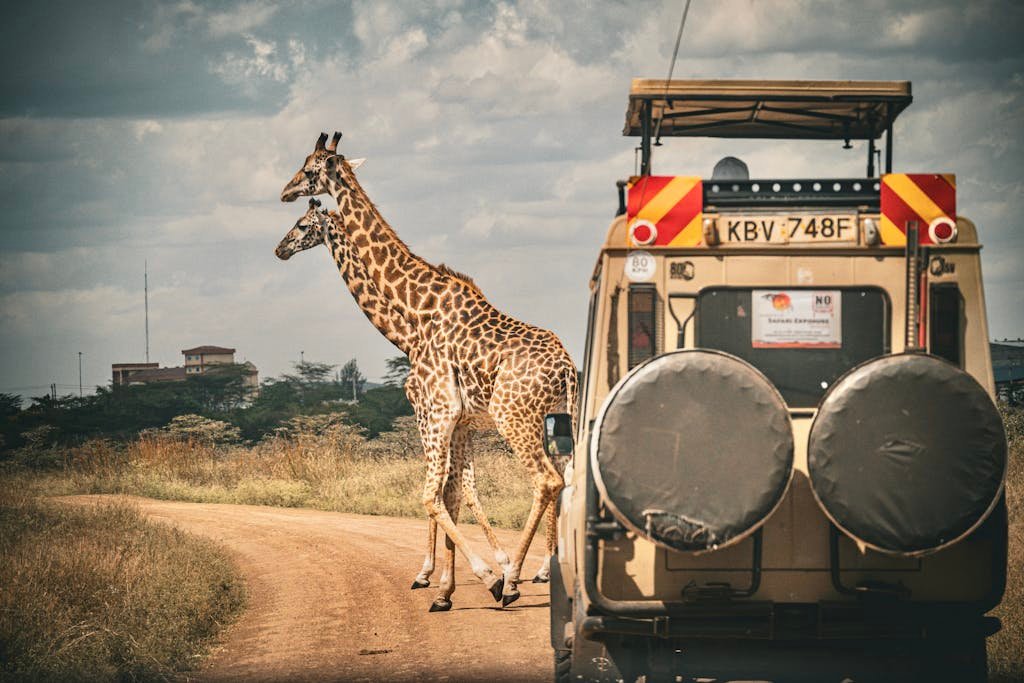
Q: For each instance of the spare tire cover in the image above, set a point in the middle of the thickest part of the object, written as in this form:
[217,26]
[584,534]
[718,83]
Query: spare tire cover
[907,454]
[693,449]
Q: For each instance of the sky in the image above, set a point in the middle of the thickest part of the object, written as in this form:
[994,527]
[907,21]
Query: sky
[161,133]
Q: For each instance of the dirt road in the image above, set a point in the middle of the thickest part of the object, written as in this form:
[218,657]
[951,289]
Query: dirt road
[329,600]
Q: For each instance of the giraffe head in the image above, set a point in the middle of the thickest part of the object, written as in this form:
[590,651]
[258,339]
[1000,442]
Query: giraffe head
[324,163]
[308,232]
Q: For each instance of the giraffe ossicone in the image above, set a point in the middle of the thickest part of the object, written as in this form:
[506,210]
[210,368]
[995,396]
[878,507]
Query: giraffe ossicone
[471,366]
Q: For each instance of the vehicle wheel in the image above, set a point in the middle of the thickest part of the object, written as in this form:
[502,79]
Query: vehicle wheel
[563,665]
[561,614]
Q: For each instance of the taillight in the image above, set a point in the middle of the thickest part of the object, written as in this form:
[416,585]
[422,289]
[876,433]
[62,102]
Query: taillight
[643,232]
[942,230]
[643,334]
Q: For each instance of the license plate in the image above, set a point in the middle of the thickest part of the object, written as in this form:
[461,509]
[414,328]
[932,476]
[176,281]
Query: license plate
[784,229]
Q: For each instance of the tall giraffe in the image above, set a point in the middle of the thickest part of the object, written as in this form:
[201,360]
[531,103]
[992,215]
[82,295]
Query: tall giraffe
[317,227]
[472,364]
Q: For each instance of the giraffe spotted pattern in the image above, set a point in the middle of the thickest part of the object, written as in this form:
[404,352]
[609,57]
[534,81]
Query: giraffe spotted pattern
[471,365]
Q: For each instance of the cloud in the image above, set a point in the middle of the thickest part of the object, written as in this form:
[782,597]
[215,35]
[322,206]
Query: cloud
[494,138]
[246,70]
[167,21]
[147,127]
[241,19]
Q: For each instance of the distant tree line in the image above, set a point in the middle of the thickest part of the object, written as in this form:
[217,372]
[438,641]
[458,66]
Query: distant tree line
[121,412]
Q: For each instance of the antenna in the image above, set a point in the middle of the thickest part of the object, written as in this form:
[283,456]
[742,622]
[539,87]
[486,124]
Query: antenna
[145,287]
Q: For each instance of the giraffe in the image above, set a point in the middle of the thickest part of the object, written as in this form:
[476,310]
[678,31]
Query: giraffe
[472,364]
[317,227]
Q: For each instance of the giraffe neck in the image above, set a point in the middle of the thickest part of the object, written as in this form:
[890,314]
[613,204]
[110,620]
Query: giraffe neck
[405,280]
[388,320]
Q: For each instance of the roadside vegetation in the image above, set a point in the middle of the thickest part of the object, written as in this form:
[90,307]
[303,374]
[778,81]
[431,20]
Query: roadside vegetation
[99,593]
[122,412]
[318,461]
[1006,660]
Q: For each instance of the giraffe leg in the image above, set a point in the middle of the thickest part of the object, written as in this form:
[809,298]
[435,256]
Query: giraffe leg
[473,503]
[422,579]
[524,436]
[452,503]
[436,445]
[543,574]
[551,530]
[414,393]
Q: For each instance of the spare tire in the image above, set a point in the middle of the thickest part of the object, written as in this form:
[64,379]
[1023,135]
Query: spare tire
[907,454]
[693,450]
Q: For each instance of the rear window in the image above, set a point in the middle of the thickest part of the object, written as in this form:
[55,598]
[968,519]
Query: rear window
[802,339]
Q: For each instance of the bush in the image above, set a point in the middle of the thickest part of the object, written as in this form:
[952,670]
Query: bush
[198,428]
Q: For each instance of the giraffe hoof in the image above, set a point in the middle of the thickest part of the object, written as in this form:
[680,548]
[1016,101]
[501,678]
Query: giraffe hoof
[440,605]
[425,583]
[540,579]
[497,588]
[509,598]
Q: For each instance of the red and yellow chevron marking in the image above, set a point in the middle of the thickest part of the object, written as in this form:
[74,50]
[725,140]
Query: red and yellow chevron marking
[920,197]
[673,204]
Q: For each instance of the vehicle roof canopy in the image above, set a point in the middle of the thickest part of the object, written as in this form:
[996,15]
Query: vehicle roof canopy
[815,110]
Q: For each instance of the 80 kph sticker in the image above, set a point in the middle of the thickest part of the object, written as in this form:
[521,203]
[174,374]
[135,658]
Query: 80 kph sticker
[640,266]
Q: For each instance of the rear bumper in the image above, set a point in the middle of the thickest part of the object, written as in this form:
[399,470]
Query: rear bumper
[626,658]
[798,623]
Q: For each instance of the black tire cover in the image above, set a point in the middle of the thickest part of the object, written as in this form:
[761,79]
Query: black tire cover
[693,449]
[907,454]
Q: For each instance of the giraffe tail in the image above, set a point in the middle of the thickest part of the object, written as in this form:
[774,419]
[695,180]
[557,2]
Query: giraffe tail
[571,379]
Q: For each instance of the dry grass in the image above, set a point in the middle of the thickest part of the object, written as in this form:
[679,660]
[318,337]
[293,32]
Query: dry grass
[101,594]
[330,469]
[1006,648]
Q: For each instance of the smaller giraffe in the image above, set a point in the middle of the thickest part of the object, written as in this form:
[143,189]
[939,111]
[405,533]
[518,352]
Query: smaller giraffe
[317,227]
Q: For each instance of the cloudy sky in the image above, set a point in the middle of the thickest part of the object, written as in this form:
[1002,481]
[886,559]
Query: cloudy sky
[164,132]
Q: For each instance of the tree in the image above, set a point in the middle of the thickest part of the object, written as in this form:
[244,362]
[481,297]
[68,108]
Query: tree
[311,372]
[398,370]
[378,408]
[351,380]
[10,404]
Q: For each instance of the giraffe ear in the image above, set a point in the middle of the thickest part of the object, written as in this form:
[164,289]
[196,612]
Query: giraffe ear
[356,163]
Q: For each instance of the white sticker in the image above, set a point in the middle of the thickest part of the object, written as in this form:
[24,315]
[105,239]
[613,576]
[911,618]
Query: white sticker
[640,266]
[797,319]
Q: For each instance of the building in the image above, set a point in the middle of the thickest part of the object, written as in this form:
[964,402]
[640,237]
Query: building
[157,374]
[1008,368]
[198,360]
[121,372]
[202,359]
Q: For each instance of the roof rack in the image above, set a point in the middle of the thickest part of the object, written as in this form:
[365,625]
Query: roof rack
[806,110]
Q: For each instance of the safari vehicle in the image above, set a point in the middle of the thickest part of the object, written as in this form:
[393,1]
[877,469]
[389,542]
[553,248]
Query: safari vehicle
[788,463]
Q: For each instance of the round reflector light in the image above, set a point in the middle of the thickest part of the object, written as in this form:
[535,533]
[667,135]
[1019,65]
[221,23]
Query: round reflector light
[643,232]
[942,230]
